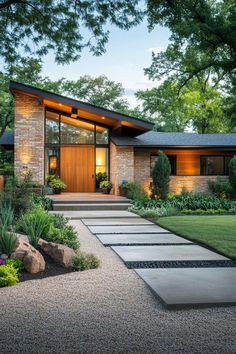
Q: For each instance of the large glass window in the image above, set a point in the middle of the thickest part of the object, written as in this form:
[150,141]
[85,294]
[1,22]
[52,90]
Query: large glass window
[52,128]
[215,165]
[74,131]
[101,135]
[101,165]
[172,160]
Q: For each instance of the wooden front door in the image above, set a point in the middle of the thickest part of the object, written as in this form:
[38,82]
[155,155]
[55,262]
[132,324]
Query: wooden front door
[77,168]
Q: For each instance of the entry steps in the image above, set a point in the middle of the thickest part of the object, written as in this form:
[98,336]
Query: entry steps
[108,205]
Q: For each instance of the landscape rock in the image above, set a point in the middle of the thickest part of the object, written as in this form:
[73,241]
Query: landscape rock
[32,259]
[61,254]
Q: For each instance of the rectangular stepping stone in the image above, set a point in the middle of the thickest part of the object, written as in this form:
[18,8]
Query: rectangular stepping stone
[167,253]
[129,239]
[116,221]
[126,229]
[187,287]
[97,214]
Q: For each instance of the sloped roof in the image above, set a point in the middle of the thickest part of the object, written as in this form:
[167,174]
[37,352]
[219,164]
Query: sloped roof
[176,139]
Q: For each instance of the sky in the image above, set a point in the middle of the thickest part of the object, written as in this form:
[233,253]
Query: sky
[128,53]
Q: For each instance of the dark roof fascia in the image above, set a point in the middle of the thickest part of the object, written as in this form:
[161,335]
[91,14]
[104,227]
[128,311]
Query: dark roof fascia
[78,104]
[185,147]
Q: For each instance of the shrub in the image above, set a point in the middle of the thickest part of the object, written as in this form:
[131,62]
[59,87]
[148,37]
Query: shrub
[220,187]
[8,275]
[55,182]
[232,174]
[15,263]
[41,200]
[65,236]
[35,224]
[84,261]
[161,176]
[7,238]
[136,192]
[17,195]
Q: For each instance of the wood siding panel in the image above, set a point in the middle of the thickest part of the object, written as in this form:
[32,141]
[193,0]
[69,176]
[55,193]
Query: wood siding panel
[77,168]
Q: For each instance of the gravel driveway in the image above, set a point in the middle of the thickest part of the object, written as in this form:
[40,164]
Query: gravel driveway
[108,310]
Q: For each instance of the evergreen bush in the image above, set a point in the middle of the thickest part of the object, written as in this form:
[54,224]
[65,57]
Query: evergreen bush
[161,176]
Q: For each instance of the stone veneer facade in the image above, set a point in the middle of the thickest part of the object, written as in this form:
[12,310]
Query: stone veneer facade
[127,163]
[121,165]
[29,136]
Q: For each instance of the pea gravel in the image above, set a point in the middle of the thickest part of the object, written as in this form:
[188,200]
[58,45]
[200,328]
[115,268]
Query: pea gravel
[107,310]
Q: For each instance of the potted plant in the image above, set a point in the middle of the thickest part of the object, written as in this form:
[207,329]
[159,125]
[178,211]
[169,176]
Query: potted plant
[123,188]
[106,187]
[56,183]
[100,177]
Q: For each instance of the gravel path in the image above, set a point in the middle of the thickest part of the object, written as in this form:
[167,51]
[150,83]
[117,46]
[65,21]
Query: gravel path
[108,310]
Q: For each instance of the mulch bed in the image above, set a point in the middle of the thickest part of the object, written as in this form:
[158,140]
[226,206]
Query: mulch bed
[51,269]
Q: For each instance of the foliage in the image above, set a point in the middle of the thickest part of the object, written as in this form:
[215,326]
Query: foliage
[220,187]
[64,27]
[42,200]
[16,263]
[232,174]
[200,105]
[106,184]
[206,212]
[136,192]
[17,195]
[35,224]
[8,275]
[85,261]
[65,236]
[202,38]
[55,182]
[7,238]
[155,213]
[161,176]
[101,176]
[6,162]
[191,201]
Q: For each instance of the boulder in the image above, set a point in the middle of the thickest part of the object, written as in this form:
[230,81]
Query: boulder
[32,259]
[61,254]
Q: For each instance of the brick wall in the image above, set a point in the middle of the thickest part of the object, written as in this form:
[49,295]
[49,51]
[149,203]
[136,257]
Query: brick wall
[121,165]
[29,136]
[177,183]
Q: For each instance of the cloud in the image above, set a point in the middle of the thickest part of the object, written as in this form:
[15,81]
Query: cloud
[156,50]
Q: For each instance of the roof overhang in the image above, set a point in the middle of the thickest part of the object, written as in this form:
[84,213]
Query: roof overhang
[85,110]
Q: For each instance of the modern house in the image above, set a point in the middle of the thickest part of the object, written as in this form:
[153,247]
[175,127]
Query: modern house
[76,140]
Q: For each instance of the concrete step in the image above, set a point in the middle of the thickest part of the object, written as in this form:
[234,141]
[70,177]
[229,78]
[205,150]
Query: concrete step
[91,206]
[97,201]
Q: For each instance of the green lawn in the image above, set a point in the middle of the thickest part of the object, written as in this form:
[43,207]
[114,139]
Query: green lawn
[218,232]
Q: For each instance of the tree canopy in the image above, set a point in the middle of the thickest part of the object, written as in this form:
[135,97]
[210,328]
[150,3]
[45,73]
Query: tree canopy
[66,27]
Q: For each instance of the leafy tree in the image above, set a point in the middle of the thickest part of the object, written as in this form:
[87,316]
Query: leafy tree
[65,27]
[203,37]
[161,176]
[99,91]
[200,105]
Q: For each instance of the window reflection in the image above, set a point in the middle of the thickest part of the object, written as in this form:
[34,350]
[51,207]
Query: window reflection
[52,128]
[101,135]
[74,131]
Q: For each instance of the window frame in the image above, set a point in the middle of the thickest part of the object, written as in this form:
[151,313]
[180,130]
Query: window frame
[224,164]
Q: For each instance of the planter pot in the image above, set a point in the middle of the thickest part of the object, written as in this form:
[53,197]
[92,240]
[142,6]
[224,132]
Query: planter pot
[106,190]
[57,191]
[123,192]
[1,182]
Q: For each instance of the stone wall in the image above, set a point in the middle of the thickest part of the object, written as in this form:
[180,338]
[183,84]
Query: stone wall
[177,183]
[29,136]
[121,165]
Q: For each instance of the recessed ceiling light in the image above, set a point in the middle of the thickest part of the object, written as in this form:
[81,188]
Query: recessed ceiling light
[103,117]
[59,104]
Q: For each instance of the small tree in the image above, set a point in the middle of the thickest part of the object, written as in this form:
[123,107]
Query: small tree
[161,176]
[232,174]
